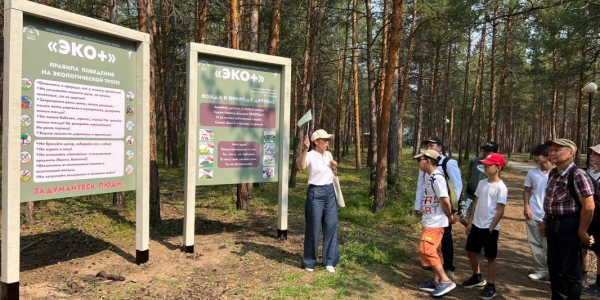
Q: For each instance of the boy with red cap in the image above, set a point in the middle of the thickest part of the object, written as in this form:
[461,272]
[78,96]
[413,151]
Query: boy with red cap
[484,224]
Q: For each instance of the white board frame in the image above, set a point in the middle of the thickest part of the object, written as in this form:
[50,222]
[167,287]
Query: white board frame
[11,194]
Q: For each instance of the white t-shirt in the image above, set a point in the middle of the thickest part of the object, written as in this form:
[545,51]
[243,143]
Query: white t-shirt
[489,196]
[433,211]
[319,169]
[537,181]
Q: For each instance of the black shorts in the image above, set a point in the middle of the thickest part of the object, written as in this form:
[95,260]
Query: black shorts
[594,230]
[482,238]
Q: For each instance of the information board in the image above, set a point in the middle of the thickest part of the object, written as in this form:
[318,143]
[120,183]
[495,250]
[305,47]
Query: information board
[239,104]
[78,106]
[238,125]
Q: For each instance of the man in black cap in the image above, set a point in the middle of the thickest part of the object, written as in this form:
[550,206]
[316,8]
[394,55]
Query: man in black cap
[449,167]
[474,175]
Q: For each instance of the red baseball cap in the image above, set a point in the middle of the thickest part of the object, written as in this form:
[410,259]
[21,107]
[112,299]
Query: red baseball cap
[494,159]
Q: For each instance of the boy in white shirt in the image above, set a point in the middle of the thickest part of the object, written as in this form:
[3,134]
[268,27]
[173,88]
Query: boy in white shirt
[534,192]
[484,224]
[437,215]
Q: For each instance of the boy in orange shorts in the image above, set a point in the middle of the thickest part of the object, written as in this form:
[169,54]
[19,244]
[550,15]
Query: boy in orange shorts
[437,214]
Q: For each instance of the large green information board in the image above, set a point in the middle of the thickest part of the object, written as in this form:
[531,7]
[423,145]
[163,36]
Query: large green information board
[78,107]
[239,104]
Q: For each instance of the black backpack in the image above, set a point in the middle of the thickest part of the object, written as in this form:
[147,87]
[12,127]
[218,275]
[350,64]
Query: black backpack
[571,187]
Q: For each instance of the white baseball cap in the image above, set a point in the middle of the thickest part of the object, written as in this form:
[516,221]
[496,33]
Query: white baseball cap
[320,134]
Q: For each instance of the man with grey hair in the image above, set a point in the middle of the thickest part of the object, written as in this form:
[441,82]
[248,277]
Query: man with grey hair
[566,220]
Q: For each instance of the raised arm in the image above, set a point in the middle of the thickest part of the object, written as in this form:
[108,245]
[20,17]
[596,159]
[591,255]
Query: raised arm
[301,160]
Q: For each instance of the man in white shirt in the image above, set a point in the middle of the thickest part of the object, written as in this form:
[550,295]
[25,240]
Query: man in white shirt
[453,173]
[534,192]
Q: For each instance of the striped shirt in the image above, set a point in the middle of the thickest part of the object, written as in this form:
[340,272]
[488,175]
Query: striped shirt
[558,200]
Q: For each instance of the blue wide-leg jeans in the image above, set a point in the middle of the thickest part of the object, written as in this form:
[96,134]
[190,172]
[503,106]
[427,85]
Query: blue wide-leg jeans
[320,211]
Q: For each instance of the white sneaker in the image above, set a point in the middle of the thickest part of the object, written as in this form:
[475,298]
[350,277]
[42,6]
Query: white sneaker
[539,276]
[330,269]
[309,269]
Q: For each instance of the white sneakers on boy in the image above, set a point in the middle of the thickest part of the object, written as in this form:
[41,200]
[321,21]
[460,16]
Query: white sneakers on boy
[330,269]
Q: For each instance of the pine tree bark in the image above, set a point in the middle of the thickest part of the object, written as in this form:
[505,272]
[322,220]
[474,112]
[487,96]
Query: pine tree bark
[504,74]
[357,139]
[148,25]
[553,122]
[118,197]
[340,95]
[403,89]
[202,11]
[383,124]
[492,116]
[274,28]
[580,96]
[29,212]
[244,190]
[431,112]
[419,107]
[478,78]
[384,54]
[254,10]
[465,97]
[306,80]
[372,151]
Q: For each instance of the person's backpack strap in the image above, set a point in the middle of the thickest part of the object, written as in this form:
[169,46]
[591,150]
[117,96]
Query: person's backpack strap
[451,192]
[432,179]
[444,165]
[571,183]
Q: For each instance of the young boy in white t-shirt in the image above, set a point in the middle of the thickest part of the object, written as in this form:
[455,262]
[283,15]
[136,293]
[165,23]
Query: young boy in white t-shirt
[484,224]
[534,192]
[436,215]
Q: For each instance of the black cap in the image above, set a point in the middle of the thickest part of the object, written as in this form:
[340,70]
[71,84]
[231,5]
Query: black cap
[432,139]
[490,147]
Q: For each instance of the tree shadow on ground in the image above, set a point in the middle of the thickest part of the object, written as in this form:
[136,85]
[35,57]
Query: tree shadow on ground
[45,249]
[273,253]
[252,226]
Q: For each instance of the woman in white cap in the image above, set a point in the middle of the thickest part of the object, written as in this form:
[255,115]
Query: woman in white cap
[321,206]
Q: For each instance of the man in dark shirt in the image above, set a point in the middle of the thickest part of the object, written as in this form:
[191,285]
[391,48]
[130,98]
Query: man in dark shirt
[566,221]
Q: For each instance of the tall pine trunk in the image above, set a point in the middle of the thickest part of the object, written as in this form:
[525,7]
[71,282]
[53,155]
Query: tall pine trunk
[465,97]
[306,80]
[148,25]
[372,151]
[478,79]
[384,120]
[357,138]
[118,197]
[492,117]
[274,28]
